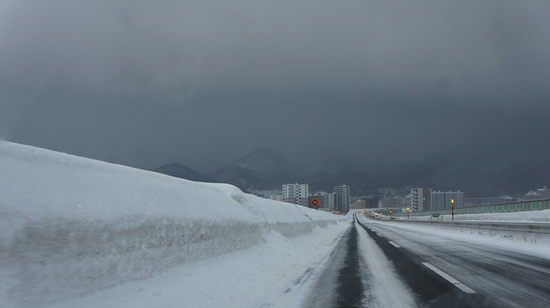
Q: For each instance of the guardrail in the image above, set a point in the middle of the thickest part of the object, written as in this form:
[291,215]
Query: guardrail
[532,227]
[519,206]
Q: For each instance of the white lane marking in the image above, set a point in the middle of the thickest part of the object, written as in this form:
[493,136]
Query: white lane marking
[394,244]
[450,279]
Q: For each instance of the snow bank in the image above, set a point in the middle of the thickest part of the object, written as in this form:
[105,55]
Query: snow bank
[71,226]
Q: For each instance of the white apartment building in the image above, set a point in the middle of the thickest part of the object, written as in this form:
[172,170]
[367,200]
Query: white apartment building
[341,203]
[295,193]
[329,200]
[421,199]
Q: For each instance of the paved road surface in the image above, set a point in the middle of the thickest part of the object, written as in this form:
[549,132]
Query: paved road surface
[384,264]
[506,278]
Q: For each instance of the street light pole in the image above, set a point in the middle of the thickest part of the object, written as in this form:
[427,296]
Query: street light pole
[407,213]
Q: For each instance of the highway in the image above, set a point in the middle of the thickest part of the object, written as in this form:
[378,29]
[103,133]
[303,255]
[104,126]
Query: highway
[394,264]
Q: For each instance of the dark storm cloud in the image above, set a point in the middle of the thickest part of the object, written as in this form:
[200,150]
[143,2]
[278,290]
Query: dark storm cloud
[203,82]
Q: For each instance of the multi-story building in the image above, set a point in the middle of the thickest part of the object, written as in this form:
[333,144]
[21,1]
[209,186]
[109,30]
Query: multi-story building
[541,193]
[421,199]
[360,204]
[296,193]
[341,203]
[457,196]
[438,200]
[329,200]
[391,202]
[371,202]
[442,200]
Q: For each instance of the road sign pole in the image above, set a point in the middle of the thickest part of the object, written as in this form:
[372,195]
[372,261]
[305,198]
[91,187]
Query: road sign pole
[453,208]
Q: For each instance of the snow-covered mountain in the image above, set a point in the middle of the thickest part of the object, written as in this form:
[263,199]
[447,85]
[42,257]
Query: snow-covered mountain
[262,169]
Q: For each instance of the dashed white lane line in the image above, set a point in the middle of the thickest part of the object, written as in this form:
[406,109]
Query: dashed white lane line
[449,278]
[394,244]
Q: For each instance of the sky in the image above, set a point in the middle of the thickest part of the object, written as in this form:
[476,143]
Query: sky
[202,83]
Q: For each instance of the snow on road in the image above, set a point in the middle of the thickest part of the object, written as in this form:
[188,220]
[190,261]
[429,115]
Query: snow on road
[386,289]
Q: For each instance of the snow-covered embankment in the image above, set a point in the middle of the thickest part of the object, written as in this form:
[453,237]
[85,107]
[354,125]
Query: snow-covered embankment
[71,226]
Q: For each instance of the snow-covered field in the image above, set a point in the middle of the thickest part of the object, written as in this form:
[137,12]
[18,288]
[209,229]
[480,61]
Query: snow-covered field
[78,232]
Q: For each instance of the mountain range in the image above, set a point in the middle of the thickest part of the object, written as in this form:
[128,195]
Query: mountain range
[263,169]
[509,171]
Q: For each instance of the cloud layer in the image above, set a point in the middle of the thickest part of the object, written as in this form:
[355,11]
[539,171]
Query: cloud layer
[375,83]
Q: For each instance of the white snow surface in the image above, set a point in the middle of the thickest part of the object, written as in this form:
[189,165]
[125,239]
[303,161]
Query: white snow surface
[76,232]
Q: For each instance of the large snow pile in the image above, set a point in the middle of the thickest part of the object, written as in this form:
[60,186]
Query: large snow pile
[71,226]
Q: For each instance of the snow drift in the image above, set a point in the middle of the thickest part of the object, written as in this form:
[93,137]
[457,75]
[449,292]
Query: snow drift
[71,226]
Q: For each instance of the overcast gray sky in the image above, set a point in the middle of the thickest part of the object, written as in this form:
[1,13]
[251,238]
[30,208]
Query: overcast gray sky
[145,83]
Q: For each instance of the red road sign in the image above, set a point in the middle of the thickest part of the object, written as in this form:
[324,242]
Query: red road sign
[315,202]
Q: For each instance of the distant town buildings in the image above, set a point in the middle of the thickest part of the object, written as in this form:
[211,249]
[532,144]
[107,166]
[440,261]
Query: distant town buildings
[371,202]
[421,199]
[299,194]
[341,202]
[295,193]
[541,193]
[390,202]
[438,200]
[457,196]
[407,201]
[360,204]
[442,200]
[329,200]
